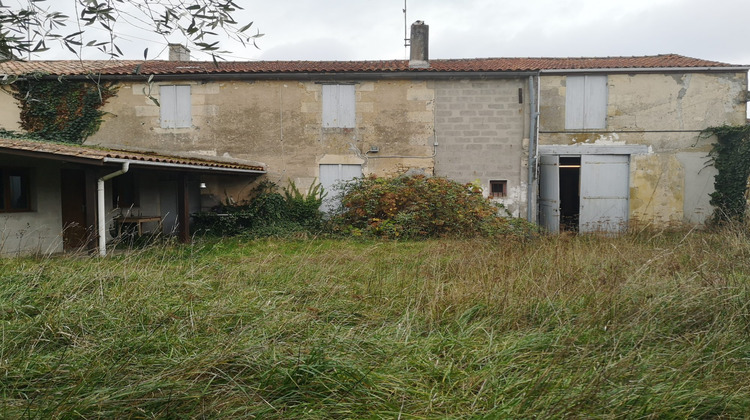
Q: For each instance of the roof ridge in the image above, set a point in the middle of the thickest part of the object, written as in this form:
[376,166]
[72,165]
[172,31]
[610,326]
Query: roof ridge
[489,64]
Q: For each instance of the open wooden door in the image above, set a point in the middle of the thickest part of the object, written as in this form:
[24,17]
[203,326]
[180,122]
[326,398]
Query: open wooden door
[76,232]
[549,193]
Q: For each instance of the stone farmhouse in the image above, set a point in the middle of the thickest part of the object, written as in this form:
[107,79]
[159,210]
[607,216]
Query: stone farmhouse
[585,144]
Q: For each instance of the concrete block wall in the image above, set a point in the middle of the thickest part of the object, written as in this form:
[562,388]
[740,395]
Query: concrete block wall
[480,128]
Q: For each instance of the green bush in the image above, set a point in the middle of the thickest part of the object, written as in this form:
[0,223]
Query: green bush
[731,158]
[267,213]
[420,207]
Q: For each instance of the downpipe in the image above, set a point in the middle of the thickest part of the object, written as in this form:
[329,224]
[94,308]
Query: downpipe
[100,212]
[533,138]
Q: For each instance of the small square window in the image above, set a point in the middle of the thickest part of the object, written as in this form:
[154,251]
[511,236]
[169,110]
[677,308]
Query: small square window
[498,189]
[15,194]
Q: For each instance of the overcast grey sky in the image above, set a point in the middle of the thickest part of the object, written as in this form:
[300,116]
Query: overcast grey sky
[374,29]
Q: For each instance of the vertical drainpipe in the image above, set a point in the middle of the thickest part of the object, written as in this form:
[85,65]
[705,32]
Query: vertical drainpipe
[534,117]
[100,214]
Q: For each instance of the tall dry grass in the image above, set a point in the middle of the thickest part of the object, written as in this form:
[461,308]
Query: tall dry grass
[652,324]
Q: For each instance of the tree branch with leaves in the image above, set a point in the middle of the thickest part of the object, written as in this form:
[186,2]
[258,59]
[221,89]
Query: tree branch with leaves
[32,26]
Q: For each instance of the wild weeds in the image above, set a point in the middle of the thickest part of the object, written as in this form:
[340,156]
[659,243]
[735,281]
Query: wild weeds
[652,324]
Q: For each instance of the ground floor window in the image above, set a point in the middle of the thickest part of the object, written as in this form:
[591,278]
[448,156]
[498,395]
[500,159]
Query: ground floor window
[14,190]
[498,189]
[331,175]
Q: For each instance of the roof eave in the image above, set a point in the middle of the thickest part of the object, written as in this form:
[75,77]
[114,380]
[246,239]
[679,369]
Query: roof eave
[102,161]
[648,70]
[184,166]
[317,76]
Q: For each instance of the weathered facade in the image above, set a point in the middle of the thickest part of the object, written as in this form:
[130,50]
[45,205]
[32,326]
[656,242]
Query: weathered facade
[279,123]
[654,120]
[586,144]
[478,126]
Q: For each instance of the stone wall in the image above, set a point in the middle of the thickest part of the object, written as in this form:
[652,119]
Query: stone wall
[279,123]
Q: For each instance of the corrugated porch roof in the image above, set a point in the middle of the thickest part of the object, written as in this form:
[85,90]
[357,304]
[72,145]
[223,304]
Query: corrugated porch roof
[102,156]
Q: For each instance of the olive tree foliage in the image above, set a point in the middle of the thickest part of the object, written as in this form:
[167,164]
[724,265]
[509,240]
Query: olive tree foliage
[32,26]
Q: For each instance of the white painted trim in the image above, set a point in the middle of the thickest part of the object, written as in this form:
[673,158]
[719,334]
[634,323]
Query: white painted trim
[560,149]
[197,167]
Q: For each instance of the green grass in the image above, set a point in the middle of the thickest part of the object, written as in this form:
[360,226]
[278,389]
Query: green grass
[653,324]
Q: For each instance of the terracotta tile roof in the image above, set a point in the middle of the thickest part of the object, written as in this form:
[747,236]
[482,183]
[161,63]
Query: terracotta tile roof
[128,67]
[100,155]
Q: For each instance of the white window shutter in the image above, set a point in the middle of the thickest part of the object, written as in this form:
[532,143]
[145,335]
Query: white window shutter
[330,176]
[347,115]
[595,102]
[175,108]
[338,106]
[586,102]
[167,104]
[330,105]
[574,101]
[183,112]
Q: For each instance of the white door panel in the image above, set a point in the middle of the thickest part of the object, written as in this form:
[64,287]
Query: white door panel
[549,192]
[605,190]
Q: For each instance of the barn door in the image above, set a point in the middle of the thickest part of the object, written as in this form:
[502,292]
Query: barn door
[549,192]
[604,193]
[76,232]
[168,206]
[330,176]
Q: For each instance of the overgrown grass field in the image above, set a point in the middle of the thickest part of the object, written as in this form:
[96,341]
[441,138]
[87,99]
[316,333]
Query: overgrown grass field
[652,324]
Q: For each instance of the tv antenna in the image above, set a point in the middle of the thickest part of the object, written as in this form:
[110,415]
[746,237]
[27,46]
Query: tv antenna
[407,40]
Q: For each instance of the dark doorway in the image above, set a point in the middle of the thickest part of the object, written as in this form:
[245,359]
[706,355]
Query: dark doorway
[76,232]
[570,192]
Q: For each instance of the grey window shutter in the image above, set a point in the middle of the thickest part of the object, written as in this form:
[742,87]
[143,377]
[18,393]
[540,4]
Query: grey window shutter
[574,101]
[595,103]
[175,109]
[167,104]
[585,102]
[338,106]
[183,112]
[347,115]
[330,105]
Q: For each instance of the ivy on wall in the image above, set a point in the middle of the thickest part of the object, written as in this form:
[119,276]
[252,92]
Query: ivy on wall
[731,157]
[59,109]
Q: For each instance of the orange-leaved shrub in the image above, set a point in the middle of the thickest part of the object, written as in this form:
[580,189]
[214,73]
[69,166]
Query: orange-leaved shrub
[420,207]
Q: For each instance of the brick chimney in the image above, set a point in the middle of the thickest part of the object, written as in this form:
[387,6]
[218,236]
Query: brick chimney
[419,51]
[178,52]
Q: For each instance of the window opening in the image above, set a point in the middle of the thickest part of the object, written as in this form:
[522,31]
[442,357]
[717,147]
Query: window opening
[15,194]
[174,106]
[338,106]
[498,189]
[585,102]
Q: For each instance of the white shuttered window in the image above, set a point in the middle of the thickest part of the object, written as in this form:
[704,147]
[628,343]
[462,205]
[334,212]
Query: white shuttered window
[338,106]
[330,176]
[585,102]
[174,102]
